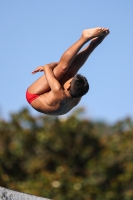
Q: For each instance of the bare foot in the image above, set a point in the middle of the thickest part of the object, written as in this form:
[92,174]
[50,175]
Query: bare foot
[94,32]
[99,39]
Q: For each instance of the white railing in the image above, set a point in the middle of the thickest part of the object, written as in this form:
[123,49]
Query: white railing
[6,194]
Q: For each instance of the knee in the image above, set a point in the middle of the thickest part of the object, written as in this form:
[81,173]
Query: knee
[64,67]
[60,70]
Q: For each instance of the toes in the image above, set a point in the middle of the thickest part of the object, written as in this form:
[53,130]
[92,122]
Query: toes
[106,31]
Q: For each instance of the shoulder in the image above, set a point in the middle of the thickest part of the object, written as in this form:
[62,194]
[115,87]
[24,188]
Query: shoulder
[51,98]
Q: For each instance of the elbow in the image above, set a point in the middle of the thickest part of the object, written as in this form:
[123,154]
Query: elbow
[56,88]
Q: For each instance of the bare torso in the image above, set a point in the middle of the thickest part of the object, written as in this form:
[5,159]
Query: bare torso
[61,106]
[52,87]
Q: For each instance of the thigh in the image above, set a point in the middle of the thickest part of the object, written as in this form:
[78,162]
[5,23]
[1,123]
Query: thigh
[40,86]
[68,75]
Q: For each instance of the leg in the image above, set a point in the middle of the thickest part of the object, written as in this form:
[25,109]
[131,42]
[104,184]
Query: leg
[41,86]
[81,57]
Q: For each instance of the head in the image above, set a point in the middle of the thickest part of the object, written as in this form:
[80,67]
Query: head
[79,86]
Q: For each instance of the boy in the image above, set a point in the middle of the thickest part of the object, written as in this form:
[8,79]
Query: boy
[61,88]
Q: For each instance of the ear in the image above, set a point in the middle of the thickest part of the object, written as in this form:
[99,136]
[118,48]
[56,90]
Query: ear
[68,87]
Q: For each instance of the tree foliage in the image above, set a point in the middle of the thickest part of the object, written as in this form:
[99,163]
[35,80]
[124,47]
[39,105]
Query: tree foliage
[67,159]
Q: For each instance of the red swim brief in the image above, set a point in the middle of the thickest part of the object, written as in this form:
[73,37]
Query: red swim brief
[31,97]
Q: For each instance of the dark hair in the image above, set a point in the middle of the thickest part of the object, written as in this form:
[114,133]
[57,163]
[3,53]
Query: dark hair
[79,86]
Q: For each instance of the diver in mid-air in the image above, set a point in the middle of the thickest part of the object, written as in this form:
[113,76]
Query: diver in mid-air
[61,88]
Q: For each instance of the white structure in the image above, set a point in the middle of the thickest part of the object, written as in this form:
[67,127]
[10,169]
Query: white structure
[6,194]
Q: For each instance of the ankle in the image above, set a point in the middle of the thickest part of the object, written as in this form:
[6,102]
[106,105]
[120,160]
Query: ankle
[85,36]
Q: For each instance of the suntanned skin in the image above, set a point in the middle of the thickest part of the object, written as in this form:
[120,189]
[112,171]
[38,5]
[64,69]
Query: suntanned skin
[53,87]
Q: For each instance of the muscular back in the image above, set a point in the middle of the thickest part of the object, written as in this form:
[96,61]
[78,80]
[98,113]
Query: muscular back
[53,105]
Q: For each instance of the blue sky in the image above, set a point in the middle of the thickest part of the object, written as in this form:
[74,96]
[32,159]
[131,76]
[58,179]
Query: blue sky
[34,33]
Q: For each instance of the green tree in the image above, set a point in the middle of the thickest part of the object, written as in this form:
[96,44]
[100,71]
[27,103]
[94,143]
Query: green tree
[67,159]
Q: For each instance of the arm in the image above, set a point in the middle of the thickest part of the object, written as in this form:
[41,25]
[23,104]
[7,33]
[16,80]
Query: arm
[40,68]
[53,65]
[49,74]
[57,70]
[52,81]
